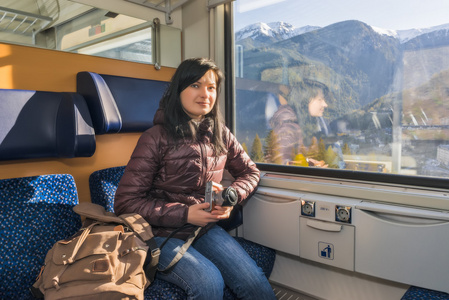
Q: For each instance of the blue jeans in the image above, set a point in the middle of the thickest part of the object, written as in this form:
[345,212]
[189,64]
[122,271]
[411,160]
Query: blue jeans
[213,261]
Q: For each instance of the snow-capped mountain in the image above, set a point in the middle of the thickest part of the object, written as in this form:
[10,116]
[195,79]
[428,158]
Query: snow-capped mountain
[276,30]
[406,35]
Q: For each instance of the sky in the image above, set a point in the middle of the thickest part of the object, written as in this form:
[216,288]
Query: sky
[386,14]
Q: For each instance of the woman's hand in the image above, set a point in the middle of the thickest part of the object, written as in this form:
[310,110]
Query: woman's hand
[198,216]
[217,187]
[222,212]
[316,163]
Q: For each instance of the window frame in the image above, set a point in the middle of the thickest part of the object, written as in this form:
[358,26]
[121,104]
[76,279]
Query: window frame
[336,174]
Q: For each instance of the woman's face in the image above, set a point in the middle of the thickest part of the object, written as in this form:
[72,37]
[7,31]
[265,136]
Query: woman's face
[317,105]
[198,99]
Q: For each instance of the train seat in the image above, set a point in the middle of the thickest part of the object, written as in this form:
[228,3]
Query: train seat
[39,124]
[35,212]
[415,293]
[103,184]
[120,104]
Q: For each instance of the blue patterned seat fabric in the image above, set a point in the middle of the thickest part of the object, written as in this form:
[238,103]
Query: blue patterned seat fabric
[35,212]
[417,293]
[103,184]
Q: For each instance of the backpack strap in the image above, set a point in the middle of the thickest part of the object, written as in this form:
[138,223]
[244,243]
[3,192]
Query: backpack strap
[82,238]
[143,229]
[140,226]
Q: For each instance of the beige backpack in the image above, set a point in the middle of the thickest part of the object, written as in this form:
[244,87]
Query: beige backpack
[106,259]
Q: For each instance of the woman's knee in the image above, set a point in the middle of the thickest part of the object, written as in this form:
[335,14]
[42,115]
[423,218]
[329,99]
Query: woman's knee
[199,277]
[255,286]
[205,283]
[211,282]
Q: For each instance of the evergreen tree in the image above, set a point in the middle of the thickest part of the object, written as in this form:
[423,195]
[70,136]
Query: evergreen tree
[313,150]
[331,158]
[321,149]
[294,152]
[245,148]
[272,149]
[346,150]
[303,149]
[256,150]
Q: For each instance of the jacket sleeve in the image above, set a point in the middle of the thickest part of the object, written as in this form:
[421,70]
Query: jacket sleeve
[133,192]
[241,167]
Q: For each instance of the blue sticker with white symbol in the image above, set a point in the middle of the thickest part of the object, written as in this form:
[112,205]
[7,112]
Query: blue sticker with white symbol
[325,250]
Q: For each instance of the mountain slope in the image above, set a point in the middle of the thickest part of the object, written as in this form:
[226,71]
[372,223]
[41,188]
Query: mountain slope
[261,34]
[357,62]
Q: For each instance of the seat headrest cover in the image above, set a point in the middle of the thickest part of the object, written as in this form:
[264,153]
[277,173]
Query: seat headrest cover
[38,124]
[120,104]
[102,105]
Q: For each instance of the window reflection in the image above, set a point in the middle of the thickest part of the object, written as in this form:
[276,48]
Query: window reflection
[347,94]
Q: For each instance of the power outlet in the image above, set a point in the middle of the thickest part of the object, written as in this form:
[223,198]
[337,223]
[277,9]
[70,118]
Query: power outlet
[308,208]
[343,214]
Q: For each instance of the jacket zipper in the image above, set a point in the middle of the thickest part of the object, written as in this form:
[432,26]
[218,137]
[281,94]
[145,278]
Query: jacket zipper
[203,157]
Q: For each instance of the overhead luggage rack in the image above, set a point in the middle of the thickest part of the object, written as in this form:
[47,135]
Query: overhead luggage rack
[167,6]
[20,22]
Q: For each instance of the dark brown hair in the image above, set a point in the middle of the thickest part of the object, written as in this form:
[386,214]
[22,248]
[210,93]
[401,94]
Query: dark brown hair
[176,121]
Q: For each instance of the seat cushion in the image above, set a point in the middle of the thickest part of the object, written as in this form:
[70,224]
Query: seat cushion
[35,212]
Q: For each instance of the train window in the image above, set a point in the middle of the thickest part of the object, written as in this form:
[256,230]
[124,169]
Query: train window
[345,85]
[107,34]
[70,26]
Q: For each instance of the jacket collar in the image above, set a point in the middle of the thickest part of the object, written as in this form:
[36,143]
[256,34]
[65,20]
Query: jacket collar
[205,127]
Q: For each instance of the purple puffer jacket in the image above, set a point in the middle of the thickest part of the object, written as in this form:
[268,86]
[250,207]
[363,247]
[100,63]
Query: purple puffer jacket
[161,182]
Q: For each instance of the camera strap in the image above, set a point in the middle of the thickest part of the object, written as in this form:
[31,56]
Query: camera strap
[183,249]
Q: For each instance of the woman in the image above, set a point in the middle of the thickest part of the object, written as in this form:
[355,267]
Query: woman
[165,180]
[310,98]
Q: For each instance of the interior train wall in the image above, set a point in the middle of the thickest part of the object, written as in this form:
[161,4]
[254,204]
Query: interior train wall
[28,68]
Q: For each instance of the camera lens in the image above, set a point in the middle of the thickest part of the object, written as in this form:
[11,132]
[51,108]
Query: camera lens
[229,196]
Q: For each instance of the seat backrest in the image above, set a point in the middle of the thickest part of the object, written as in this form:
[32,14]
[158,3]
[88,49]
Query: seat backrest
[39,124]
[35,212]
[103,185]
[120,104]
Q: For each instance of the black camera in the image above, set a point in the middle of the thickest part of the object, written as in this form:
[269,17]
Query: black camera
[227,197]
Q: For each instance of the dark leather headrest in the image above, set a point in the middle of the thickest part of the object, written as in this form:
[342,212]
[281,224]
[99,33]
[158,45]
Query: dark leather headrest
[120,104]
[37,124]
